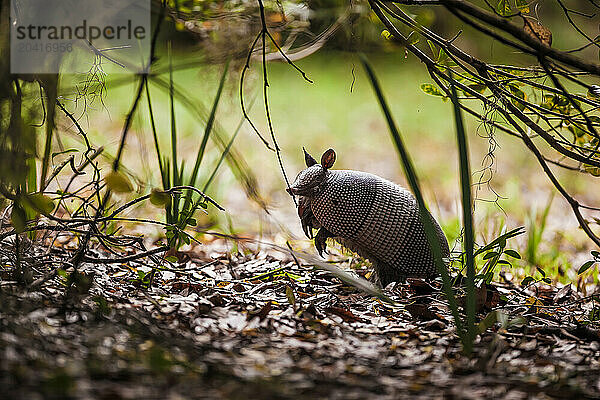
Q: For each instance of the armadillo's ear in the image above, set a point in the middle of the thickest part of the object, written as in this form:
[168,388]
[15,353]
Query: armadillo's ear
[328,158]
[308,159]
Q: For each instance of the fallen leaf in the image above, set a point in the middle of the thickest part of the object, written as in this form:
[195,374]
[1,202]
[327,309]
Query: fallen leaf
[537,31]
[344,314]
[262,313]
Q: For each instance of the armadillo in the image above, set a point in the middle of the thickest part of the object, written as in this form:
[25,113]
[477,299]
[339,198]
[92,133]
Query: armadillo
[367,214]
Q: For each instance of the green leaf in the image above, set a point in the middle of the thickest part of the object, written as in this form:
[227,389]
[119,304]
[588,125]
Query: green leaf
[516,321]
[159,197]
[527,281]
[594,314]
[504,262]
[442,57]
[171,259]
[587,265]
[592,170]
[40,203]
[432,90]
[541,271]
[102,304]
[488,321]
[504,8]
[522,5]
[520,94]
[489,255]
[595,254]
[294,277]
[579,133]
[289,293]
[502,243]
[500,240]
[478,87]
[512,254]
[117,182]
[18,218]
[192,222]
[433,48]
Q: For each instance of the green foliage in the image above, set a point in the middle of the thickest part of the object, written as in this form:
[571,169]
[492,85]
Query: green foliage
[504,8]
[143,278]
[27,206]
[522,5]
[289,293]
[18,217]
[103,308]
[590,263]
[180,215]
[519,94]
[467,208]
[492,255]
[557,102]
[432,90]
[160,198]
[118,182]
[531,279]
[501,318]
[176,236]
[587,265]
[535,230]
[594,314]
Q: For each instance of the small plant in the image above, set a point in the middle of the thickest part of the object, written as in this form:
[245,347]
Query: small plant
[495,254]
[180,211]
[535,229]
[466,329]
[492,253]
[590,263]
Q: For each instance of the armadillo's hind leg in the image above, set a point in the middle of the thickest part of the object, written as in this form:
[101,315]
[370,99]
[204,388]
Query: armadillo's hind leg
[386,274]
[321,240]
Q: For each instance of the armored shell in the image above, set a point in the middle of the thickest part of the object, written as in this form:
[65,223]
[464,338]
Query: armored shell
[369,215]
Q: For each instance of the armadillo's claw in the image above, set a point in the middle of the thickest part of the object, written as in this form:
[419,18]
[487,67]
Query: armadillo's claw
[307,230]
[307,218]
[321,247]
[321,241]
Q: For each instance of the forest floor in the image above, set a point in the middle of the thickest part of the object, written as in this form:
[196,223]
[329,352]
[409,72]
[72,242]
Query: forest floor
[263,326]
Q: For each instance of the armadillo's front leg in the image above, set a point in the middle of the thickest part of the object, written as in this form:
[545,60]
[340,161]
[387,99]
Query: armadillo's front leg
[307,218]
[321,240]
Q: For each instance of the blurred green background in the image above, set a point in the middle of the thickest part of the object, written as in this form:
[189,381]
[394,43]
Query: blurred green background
[339,110]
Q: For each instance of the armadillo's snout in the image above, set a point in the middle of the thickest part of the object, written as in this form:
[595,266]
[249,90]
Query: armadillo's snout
[295,189]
